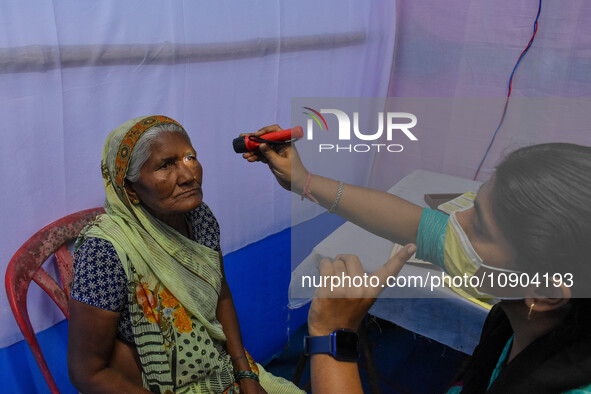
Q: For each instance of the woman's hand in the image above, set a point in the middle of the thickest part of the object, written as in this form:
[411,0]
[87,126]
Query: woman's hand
[283,161]
[251,386]
[345,307]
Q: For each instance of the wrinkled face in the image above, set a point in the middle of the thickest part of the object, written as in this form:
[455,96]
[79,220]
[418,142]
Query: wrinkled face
[484,233]
[170,180]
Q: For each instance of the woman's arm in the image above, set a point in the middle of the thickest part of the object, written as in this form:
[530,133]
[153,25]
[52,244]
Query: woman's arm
[97,363]
[226,314]
[332,376]
[381,213]
[378,212]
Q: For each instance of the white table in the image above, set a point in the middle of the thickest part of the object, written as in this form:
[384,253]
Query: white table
[441,315]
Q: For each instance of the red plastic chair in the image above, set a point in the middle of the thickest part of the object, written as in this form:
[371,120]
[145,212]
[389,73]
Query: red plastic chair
[26,265]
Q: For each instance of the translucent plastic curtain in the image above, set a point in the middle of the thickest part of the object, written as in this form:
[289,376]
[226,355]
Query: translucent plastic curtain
[71,71]
[456,57]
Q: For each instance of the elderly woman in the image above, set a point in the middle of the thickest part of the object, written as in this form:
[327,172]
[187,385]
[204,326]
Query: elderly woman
[533,217]
[150,306]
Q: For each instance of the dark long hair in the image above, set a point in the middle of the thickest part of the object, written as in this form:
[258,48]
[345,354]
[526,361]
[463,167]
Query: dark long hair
[541,200]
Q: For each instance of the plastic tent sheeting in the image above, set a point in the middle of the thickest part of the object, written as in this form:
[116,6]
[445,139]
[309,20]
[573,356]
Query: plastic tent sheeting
[454,59]
[72,71]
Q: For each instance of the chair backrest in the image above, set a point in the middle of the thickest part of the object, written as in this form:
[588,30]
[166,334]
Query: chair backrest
[26,265]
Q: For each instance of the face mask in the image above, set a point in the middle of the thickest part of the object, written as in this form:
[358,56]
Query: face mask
[460,257]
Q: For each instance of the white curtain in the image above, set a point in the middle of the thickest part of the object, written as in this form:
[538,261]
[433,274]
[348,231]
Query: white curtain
[71,71]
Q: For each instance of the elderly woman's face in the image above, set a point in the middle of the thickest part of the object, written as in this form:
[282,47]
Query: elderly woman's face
[170,180]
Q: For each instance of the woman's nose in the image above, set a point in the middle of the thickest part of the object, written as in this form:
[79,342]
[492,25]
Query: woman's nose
[185,174]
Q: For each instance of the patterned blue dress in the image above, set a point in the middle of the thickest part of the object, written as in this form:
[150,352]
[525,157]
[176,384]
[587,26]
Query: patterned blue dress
[99,278]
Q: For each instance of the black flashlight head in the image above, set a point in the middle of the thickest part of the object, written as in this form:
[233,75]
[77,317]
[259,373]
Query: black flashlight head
[239,145]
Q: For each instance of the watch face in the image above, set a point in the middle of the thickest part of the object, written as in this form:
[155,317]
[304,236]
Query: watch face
[346,345]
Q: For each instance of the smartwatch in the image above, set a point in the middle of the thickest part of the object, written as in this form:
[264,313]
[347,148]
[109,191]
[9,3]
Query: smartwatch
[341,344]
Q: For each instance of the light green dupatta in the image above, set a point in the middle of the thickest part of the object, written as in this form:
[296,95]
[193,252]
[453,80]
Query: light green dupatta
[173,282]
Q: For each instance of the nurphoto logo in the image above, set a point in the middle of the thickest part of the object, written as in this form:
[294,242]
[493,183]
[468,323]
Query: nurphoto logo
[395,124]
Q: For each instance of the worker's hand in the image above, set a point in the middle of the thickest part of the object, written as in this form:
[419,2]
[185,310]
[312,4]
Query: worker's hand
[345,306]
[283,161]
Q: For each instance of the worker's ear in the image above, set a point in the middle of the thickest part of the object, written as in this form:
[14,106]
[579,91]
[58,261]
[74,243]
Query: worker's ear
[547,299]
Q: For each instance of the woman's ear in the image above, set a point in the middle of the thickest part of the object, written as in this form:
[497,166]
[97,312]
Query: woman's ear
[131,193]
[546,299]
